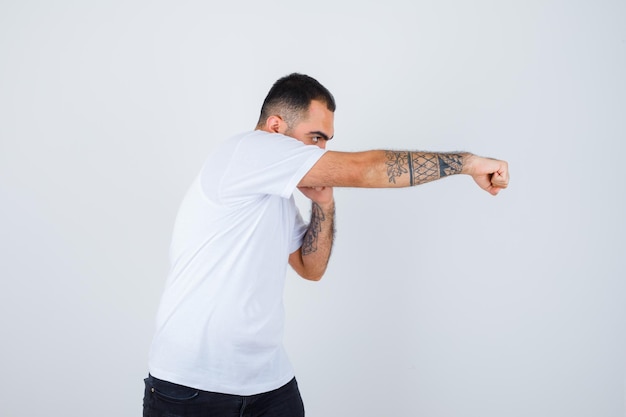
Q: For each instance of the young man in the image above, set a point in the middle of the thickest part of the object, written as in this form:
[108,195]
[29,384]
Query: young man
[218,348]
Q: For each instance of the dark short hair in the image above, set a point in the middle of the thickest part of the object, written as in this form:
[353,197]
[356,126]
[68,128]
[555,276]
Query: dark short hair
[291,96]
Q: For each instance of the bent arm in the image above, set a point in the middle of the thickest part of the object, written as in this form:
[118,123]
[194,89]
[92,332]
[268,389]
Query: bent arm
[311,259]
[391,169]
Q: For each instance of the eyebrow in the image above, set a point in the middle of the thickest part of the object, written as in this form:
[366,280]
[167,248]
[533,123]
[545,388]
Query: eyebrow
[322,134]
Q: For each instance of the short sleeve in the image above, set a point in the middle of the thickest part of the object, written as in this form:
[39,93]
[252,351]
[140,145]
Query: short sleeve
[259,163]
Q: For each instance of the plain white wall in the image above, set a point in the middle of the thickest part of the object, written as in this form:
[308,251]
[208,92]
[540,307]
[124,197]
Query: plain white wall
[439,300]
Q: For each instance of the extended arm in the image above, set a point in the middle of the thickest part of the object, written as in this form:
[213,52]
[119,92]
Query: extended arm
[388,169]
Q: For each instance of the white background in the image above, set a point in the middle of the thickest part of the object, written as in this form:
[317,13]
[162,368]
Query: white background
[439,300]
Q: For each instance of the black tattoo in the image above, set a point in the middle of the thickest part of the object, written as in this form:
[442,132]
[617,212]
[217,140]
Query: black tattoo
[425,167]
[450,164]
[422,167]
[309,245]
[396,164]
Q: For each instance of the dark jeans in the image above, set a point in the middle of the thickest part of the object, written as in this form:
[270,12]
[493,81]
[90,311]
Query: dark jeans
[165,399]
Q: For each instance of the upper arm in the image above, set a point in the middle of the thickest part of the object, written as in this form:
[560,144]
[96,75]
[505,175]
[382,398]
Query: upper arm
[342,169]
[295,261]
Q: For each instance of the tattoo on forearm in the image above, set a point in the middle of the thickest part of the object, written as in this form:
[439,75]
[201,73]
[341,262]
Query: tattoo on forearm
[450,164]
[396,164]
[422,167]
[311,238]
[315,227]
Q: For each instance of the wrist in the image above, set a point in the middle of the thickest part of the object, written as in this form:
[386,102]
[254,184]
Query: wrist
[327,206]
[468,163]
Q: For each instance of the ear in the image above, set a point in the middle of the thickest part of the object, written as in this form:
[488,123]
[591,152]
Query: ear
[275,124]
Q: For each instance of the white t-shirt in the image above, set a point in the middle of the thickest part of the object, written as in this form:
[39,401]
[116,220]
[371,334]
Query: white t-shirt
[219,326]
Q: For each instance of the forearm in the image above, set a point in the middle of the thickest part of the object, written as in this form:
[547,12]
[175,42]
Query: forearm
[318,240]
[408,168]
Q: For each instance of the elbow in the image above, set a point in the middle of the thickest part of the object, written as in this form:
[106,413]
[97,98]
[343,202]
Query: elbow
[311,271]
[316,278]
[367,170]
[312,275]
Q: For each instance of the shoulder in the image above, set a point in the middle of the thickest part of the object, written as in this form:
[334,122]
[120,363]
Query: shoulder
[267,137]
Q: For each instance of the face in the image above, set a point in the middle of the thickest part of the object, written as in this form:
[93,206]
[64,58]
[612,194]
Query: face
[317,128]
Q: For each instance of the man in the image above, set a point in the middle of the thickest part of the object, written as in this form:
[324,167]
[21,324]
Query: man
[218,348]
